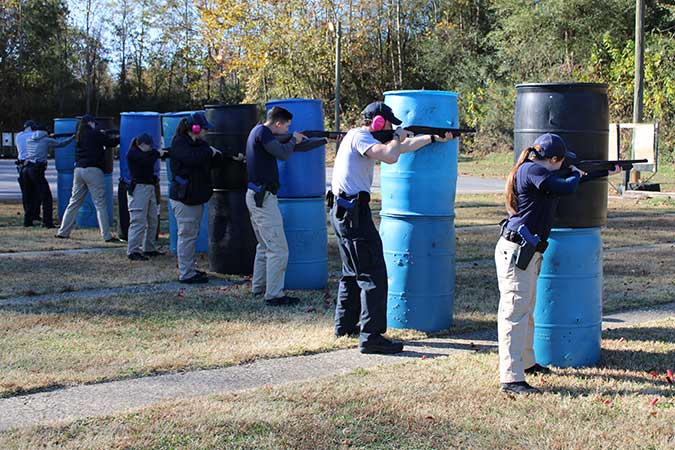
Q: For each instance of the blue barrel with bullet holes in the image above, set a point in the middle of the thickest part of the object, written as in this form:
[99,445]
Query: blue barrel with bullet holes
[418,217]
[307,237]
[169,123]
[304,173]
[568,312]
[419,252]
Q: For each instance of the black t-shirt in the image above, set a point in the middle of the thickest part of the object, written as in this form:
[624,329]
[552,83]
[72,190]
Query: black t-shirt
[536,206]
[141,164]
[260,164]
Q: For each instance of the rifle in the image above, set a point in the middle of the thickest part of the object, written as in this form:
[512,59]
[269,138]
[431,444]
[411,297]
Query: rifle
[592,165]
[385,136]
[317,139]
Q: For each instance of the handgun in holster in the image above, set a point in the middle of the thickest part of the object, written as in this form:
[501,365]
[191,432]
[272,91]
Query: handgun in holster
[131,188]
[348,210]
[530,245]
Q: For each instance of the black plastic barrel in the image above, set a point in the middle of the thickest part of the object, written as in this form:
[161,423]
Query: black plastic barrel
[232,241]
[231,126]
[579,113]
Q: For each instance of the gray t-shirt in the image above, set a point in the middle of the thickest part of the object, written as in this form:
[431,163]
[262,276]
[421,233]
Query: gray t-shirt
[353,170]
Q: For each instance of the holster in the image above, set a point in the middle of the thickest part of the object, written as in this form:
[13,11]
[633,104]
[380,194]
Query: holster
[524,256]
[131,187]
[349,209]
[330,199]
[260,191]
[259,198]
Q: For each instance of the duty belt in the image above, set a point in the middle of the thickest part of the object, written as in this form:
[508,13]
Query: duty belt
[511,236]
[260,190]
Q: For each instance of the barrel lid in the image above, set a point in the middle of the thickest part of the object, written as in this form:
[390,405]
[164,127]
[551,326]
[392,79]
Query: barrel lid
[421,91]
[140,113]
[231,106]
[292,100]
[66,119]
[559,85]
[179,113]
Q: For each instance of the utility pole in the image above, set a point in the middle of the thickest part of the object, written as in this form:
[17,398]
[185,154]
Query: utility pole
[638,92]
[338,44]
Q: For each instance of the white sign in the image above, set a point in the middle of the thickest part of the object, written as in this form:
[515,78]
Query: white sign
[7,139]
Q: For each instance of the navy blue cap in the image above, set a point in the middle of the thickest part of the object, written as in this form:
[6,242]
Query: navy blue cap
[199,118]
[553,145]
[380,109]
[29,124]
[144,138]
[88,118]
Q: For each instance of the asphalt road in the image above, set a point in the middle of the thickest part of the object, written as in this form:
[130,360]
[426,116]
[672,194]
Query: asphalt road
[9,188]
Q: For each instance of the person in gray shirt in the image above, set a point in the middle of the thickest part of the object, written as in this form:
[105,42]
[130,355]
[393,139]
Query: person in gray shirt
[37,150]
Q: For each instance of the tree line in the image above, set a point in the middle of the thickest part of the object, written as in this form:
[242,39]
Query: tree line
[60,58]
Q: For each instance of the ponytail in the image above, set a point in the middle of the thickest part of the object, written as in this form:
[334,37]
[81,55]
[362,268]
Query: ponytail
[181,130]
[511,197]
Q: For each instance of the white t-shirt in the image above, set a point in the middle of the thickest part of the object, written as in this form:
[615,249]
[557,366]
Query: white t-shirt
[353,170]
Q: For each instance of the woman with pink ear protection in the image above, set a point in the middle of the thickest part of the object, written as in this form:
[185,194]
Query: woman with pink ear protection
[191,161]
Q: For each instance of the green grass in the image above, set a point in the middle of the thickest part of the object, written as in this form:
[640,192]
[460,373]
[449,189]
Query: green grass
[424,404]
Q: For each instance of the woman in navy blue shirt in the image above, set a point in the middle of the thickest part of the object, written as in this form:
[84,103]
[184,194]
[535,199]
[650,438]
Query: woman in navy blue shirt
[533,188]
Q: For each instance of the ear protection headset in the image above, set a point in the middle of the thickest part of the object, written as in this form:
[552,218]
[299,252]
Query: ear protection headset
[194,127]
[378,123]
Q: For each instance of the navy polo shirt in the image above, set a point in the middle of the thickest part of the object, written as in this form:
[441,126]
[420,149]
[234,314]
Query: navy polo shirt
[536,205]
[260,164]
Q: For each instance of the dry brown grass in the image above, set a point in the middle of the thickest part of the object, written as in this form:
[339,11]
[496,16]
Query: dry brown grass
[34,275]
[431,404]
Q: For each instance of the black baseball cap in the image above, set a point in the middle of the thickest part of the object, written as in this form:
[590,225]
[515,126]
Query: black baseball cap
[553,145]
[380,109]
[199,118]
[144,138]
[88,118]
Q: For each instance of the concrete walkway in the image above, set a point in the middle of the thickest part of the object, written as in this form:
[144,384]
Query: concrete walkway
[119,396]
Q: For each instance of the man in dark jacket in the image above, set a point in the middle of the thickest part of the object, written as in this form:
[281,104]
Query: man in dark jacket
[88,176]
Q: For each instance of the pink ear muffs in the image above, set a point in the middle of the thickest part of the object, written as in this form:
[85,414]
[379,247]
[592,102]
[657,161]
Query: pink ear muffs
[196,129]
[378,123]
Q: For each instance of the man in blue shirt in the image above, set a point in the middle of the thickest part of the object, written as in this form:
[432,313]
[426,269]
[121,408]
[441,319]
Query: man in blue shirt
[262,152]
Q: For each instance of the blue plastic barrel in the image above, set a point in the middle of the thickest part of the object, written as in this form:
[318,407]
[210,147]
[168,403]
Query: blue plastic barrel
[422,182]
[304,173]
[169,122]
[64,162]
[131,125]
[568,313]
[305,228]
[86,216]
[420,256]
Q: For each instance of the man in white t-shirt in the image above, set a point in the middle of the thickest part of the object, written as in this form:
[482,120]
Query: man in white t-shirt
[362,293]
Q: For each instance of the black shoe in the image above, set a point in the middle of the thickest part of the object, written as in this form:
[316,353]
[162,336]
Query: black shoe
[538,370]
[154,253]
[137,257]
[49,225]
[26,224]
[196,279]
[282,301]
[519,387]
[350,332]
[58,236]
[113,240]
[382,346]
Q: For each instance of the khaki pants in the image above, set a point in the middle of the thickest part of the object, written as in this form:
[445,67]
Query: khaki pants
[143,219]
[86,179]
[188,218]
[271,256]
[515,322]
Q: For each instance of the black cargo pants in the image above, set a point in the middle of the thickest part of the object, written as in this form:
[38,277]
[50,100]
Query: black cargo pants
[362,293]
